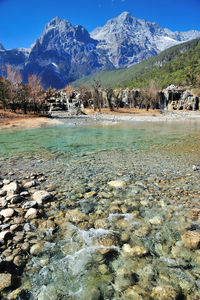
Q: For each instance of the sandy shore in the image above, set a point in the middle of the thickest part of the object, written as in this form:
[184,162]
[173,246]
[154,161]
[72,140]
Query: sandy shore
[27,123]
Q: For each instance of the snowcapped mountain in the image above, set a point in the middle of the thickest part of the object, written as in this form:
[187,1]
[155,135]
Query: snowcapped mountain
[65,52]
[128,40]
[1,47]
[15,58]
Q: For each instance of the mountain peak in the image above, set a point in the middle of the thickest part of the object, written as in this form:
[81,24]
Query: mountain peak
[2,47]
[129,40]
[57,23]
[124,15]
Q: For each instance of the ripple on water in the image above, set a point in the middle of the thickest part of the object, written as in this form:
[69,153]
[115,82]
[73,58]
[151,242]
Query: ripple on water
[158,204]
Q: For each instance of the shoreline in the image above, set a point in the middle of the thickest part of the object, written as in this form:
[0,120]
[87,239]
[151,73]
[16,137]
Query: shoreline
[27,123]
[137,117]
[57,118]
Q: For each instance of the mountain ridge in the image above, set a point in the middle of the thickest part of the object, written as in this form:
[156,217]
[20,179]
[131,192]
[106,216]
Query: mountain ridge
[139,39]
[65,53]
[173,65]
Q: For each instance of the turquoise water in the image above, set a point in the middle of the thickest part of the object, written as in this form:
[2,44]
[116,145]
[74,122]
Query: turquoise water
[75,139]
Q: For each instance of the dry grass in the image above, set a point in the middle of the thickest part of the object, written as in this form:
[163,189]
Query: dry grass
[123,111]
[11,115]
[9,119]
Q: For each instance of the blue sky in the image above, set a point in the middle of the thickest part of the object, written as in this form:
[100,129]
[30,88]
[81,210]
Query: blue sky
[22,21]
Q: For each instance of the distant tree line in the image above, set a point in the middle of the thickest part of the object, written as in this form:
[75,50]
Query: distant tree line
[31,97]
[96,97]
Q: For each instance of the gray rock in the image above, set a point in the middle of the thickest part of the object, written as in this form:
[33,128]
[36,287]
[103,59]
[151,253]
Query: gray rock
[27,227]
[14,199]
[3,203]
[5,226]
[29,204]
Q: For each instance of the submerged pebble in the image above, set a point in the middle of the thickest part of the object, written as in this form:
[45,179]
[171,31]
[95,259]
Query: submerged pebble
[124,225]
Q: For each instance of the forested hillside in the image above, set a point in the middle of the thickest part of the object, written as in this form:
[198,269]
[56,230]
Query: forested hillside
[179,65]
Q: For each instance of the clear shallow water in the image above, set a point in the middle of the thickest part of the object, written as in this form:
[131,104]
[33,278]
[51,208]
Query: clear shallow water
[75,139]
[86,258]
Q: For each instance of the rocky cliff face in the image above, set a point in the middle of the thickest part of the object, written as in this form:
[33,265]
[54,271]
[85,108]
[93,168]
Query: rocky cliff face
[65,53]
[128,40]
[16,58]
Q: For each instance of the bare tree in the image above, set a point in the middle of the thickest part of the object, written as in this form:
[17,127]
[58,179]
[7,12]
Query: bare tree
[109,95]
[68,89]
[37,98]
[15,79]
[86,95]
[97,95]
[23,96]
[149,96]
[4,85]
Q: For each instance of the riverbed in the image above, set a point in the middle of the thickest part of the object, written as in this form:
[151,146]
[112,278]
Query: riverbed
[127,209]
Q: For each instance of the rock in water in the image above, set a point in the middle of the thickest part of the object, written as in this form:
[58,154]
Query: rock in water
[164,292]
[117,183]
[36,249]
[5,280]
[41,196]
[194,168]
[191,239]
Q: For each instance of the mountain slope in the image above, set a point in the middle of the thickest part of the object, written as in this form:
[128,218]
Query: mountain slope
[129,40]
[65,53]
[161,67]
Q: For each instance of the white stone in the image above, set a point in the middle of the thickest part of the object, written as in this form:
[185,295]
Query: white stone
[36,248]
[29,184]
[117,183]
[4,235]
[135,251]
[12,187]
[31,213]
[6,181]
[41,196]
[7,213]
[157,220]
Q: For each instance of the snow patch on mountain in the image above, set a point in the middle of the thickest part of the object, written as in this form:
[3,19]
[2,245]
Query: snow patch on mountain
[128,40]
